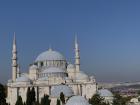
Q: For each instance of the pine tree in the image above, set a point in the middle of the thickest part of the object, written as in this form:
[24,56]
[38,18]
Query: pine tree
[97,100]
[28,99]
[119,100]
[32,95]
[58,102]
[2,95]
[19,101]
[31,100]
[62,98]
[45,100]
[37,103]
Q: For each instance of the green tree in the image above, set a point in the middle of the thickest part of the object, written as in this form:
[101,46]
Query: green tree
[58,102]
[96,100]
[119,100]
[62,98]
[45,100]
[28,100]
[37,103]
[31,100]
[138,92]
[104,103]
[32,95]
[19,101]
[2,95]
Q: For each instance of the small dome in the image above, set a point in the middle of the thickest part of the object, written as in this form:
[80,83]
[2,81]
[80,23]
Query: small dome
[50,55]
[33,67]
[82,76]
[53,70]
[134,100]
[77,100]
[56,90]
[23,78]
[105,93]
[70,66]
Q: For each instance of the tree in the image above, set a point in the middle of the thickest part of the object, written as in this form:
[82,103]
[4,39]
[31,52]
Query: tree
[97,100]
[119,100]
[62,98]
[2,95]
[138,92]
[32,95]
[37,103]
[58,102]
[45,100]
[105,103]
[19,101]
[28,100]
[31,100]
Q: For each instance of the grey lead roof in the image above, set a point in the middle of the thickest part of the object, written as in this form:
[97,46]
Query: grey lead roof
[105,93]
[77,100]
[50,55]
[56,90]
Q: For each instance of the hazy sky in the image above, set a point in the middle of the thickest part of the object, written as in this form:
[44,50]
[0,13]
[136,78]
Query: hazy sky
[108,33]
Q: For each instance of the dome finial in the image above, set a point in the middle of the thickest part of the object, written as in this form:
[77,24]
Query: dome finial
[14,39]
[76,38]
[50,47]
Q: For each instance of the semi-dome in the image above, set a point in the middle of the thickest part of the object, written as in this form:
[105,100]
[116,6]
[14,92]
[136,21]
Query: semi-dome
[53,70]
[50,55]
[23,78]
[33,67]
[77,100]
[82,76]
[56,90]
[105,93]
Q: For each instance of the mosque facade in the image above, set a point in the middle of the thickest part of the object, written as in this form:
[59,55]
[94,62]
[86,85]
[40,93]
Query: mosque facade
[50,74]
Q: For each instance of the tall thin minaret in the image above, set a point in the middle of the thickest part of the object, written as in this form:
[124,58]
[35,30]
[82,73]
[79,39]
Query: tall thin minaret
[77,55]
[18,71]
[14,59]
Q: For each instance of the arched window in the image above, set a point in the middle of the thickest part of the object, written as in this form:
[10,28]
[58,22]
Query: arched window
[41,64]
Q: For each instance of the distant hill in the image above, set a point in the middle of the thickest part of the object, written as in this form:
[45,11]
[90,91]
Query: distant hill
[135,85]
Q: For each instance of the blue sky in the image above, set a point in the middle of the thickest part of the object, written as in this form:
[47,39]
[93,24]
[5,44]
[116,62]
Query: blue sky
[108,33]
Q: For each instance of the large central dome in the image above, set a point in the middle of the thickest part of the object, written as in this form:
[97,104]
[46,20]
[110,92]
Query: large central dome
[50,55]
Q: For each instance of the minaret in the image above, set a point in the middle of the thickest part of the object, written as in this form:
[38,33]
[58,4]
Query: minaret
[77,55]
[14,59]
[18,71]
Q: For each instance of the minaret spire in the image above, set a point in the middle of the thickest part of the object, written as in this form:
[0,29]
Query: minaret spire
[50,47]
[77,55]
[14,40]
[14,59]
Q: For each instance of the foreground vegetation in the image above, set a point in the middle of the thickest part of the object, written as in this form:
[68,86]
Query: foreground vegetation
[2,95]
[31,99]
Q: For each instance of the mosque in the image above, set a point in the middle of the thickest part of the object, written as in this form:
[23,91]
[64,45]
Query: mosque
[50,73]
